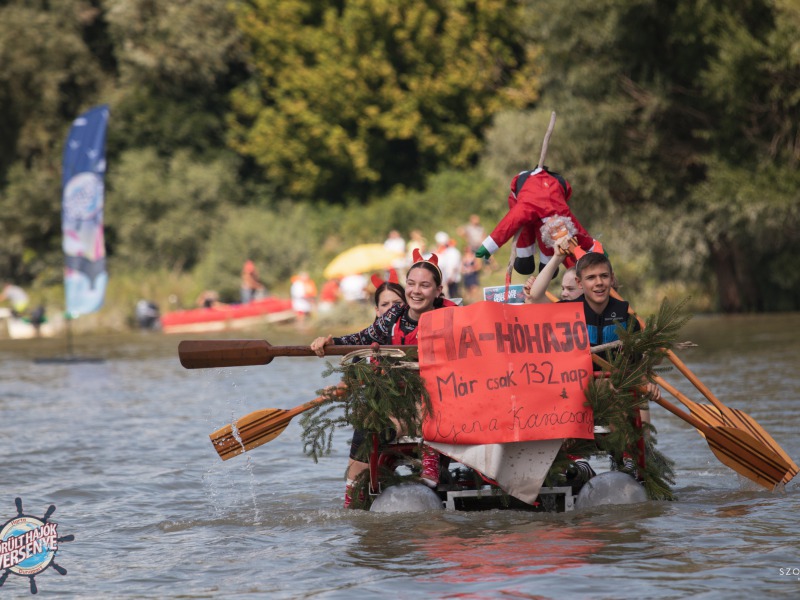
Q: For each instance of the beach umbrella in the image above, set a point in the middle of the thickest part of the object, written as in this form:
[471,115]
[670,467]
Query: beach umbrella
[361,259]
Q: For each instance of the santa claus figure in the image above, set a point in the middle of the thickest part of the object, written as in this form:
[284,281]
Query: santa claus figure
[535,196]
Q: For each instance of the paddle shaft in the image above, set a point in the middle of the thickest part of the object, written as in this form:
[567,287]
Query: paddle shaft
[206,354]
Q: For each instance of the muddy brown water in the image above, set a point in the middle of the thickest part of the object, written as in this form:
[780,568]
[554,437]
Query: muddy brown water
[121,449]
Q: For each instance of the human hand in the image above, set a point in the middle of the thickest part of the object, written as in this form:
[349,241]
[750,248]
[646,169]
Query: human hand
[318,345]
[564,245]
[526,287]
[482,252]
[652,392]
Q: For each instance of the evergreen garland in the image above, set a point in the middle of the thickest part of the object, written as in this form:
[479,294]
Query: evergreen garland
[378,395]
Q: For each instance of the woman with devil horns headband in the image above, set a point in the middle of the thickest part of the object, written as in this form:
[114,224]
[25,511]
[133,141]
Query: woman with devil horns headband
[398,325]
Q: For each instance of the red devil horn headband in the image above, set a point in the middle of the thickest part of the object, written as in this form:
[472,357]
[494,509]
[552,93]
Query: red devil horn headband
[416,256]
[393,278]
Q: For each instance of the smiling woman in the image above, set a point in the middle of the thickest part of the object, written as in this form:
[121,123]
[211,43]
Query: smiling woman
[398,325]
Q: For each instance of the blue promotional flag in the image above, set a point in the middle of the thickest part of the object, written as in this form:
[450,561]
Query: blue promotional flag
[82,181]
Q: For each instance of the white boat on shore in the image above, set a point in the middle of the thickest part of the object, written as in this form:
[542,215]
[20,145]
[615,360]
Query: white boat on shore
[18,328]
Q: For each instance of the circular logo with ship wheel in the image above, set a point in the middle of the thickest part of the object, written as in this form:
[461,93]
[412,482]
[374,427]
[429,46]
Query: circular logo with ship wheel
[28,545]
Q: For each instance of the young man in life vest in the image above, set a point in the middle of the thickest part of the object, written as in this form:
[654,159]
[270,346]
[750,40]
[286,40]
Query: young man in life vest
[595,277]
[602,312]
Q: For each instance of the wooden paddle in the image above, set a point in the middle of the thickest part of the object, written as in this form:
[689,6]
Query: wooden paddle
[208,354]
[731,417]
[712,417]
[258,428]
[733,447]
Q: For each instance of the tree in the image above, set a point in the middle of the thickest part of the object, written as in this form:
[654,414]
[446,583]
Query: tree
[348,99]
[177,61]
[164,211]
[48,77]
[666,104]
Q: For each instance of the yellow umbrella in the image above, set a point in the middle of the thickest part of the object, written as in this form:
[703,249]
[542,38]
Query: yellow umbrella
[361,259]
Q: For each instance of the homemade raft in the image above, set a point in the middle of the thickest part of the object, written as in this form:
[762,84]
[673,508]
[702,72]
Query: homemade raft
[504,394]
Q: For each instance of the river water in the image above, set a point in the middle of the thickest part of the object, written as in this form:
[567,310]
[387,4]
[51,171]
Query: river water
[121,449]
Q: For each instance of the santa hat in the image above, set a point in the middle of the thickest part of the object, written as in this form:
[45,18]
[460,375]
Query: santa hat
[378,281]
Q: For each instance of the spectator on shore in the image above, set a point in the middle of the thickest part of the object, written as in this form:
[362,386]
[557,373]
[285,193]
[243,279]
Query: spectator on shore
[354,288]
[304,295]
[395,242]
[15,296]
[329,295]
[449,263]
[252,287]
[473,232]
[416,242]
[471,267]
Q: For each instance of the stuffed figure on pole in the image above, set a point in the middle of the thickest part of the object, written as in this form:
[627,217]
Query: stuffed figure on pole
[535,195]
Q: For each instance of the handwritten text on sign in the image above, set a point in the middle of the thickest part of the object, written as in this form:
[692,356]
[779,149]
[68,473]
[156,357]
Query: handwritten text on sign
[498,373]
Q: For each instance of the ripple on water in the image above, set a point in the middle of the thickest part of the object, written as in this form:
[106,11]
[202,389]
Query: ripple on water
[122,450]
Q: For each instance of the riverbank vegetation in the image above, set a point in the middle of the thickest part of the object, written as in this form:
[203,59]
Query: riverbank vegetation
[285,131]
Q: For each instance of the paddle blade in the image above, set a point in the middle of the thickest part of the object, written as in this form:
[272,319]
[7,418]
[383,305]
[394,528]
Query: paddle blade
[259,427]
[205,354]
[747,456]
[731,417]
[250,431]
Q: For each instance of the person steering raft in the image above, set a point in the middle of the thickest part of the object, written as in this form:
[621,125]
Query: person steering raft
[398,326]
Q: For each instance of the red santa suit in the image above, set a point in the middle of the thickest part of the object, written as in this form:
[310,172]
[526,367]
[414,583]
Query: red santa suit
[543,194]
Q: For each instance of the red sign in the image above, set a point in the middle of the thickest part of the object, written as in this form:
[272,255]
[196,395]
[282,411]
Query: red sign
[501,373]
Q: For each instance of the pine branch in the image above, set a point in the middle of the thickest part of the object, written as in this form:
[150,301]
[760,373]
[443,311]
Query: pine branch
[382,394]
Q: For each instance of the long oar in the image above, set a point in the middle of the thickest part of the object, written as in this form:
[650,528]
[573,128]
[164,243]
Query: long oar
[734,448]
[733,417]
[207,354]
[256,428]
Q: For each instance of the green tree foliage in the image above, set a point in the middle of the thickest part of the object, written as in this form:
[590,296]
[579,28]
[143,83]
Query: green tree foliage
[678,128]
[177,61]
[48,70]
[748,205]
[164,211]
[351,98]
[660,102]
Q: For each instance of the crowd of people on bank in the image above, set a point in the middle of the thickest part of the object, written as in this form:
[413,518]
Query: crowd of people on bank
[461,270]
